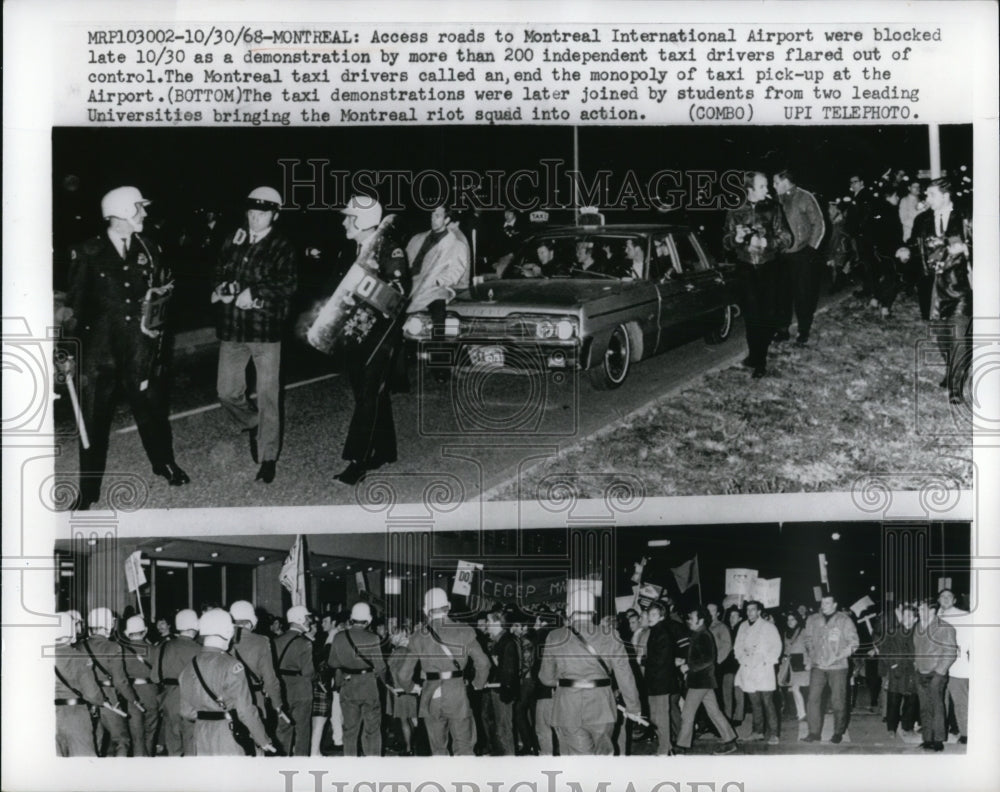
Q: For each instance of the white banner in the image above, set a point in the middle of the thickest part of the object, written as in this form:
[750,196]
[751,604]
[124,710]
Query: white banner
[767,592]
[463,577]
[740,581]
[135,575]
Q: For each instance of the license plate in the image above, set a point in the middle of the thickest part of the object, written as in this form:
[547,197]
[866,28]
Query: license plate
[486,356]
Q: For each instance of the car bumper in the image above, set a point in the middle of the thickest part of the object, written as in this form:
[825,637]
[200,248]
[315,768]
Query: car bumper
[505,355]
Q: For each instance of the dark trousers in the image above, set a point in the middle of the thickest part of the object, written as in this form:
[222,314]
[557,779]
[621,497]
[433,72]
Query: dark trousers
[132,371]
[954,335]
[866,264]
[359,701]
[758,306]
[144,725]
[930,692]
[901,710]
[765,716]
[818,680]
[887,281]
[524,716]
[798,285]
[498,721]
[372,433]
[925,287]
[74,731]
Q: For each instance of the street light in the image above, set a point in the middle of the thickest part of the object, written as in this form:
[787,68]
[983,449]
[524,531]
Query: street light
[658,543]
[835,536]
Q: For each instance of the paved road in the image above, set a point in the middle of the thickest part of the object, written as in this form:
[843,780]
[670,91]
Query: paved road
[456,439]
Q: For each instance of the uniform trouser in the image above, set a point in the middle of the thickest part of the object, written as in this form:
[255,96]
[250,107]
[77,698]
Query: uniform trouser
[819,678]
[901,710]
[178,732]
[215,738]
[586,739]
[758,310]
[765,716]
[143,725]
[930,692]
[953,335]
[372,433]
[231,385]
[695,698]
[74,731]
[295,737]
[362,716]
[147,396]
[498,721]
[543,726]
[958,692]
[449,713]
[524,715]
[800,275]
[116,728]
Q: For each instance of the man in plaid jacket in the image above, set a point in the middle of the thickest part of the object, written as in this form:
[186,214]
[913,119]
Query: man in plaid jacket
[256,279]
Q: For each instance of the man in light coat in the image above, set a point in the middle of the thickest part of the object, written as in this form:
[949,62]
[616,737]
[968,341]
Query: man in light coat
[439,263]
[758,649]
[958,674]
[830,638]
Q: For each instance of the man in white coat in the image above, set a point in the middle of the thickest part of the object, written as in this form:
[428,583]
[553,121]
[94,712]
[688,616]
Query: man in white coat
[439,263]
[758,648]
[958,674]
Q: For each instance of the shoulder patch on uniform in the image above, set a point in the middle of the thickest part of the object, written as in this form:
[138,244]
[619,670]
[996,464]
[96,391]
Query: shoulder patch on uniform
[398,253]
[238,668]
[240,236]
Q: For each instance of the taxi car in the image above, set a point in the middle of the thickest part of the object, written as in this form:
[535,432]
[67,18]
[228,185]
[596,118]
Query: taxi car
[594,298]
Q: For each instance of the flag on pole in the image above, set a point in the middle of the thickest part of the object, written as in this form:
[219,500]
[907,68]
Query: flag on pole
[135,575]
[823,578]
[293,572]
[862,605]
[686,574]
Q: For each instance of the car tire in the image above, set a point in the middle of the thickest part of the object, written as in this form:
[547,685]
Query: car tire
[722,325]
[613,367]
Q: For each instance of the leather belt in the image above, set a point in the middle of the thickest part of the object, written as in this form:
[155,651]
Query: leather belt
[433,676]
[359,672]
[211,716]
[585,683]
[71,702]
[169,682]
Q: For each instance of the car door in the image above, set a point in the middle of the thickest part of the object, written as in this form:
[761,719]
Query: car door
[702,284]
[678,292]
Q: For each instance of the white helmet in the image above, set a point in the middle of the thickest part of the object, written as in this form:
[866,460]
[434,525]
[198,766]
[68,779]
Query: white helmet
[264,198]
[241,610]
[434,599]
[122,202]
[100,619]
[366,210]
[361,612]
[580,600]
[135,624]
[76,616]
[216,622]
[297,614]
[67,626]
[186,619]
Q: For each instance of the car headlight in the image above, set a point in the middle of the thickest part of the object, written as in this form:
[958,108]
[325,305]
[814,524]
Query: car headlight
[565,329]
[545,329]
[451,326]
[417,326]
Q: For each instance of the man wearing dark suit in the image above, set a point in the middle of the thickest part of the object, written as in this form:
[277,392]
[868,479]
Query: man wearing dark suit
[940,244]
[505,671]
[662,683]
[114,280]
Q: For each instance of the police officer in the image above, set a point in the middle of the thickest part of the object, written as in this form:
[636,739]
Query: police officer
[109,673]
[256,279]
[168,660]
[444,648]
[136,659]
[115,304]
[370,341]
[257,655]
[75,689]
[579,661]
[356,656]
[215,694]
[296,668]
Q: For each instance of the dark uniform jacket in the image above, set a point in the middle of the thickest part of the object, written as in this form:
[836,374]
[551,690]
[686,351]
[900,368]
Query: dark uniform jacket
[364,659]
[137,659]
[295,663]
[461,642]
[169,659]
[764,219]
[109,671]
[566,658]
[226,678]
[257,655]
[268,269]
[78,672]
[505,656]
[952,294]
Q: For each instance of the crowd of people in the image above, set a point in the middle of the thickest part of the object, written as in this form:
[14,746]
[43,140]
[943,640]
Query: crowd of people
[901,236]
[240,682]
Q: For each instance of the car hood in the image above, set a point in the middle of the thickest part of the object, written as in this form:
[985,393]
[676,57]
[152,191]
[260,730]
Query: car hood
[561,295]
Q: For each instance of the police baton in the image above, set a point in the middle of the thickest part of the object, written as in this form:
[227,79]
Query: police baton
[284,716]
[114,709]
[77,414]
[637,718]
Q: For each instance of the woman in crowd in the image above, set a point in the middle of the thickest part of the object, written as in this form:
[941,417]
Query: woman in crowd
[794,670]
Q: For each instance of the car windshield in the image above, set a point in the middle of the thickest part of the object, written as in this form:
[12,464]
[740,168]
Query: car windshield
[605,256]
